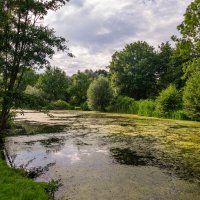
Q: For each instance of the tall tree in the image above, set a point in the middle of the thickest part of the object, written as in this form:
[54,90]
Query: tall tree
[168,67]
[24,42]
[79,85]
[132,71]
[188,46]
[99,94]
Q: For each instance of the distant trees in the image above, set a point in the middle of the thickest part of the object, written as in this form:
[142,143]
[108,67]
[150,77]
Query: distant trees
[99,94]
[54,83]
[78,87]
[79,84]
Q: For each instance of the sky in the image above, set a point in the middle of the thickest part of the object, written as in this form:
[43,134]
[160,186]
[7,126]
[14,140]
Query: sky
[95,29]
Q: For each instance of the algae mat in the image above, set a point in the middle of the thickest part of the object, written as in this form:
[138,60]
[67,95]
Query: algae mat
[109,156]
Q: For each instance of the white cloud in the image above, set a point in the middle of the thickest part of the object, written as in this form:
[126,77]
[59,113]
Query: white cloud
[96,29]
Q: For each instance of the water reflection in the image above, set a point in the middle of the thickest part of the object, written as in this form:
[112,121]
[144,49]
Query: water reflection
[94,163]
[129,157]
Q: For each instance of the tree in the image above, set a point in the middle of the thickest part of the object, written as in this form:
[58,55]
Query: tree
[99,94]
[168,67]
[24,42]
[54,83]
[188,46]
[191,96]
[79,86]
[132,71]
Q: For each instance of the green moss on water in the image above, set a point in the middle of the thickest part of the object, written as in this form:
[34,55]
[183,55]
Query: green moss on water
[174,144]
[14,185]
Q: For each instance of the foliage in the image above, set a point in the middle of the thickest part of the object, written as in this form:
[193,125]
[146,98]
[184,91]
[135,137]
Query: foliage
[168,67]
[14,185]
[24,43]
[188,46]
[59,105]
[191,97]
[168,100]
[84,106]
[132,71]
[146,107]
[99,94]
[79,86]
[54,83]
[53,187]
[123,104]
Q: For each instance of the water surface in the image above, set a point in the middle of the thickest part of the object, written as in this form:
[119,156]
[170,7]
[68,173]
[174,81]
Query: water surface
[94,158]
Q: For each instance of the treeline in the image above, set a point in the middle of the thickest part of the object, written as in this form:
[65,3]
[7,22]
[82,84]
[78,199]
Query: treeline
[161,82]
[140,80]
[53,89]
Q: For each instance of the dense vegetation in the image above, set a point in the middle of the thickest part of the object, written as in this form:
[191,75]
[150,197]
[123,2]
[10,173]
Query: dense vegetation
[140,79]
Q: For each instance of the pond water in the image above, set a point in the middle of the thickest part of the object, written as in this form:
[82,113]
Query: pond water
[89,154]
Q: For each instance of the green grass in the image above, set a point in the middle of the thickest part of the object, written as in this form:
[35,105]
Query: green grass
[14,185]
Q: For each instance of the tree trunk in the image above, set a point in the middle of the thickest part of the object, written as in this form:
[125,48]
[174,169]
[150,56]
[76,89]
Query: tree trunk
[4,115]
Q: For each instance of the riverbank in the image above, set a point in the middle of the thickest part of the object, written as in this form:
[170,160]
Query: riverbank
[15,185]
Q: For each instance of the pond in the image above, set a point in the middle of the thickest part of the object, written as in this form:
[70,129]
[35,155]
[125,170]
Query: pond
[101,156]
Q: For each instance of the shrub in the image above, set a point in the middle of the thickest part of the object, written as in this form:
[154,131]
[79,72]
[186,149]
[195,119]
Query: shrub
[168,100]
[99,94]
[146,107]
[33,98]
[84,106]
[60,105]
[191,97]
[123,104]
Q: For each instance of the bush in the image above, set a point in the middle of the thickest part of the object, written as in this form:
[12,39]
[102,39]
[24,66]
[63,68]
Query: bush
[123,104]
[33,98]
[99,94]
[84,106]
[59,105]
[146,107]
[169,100]
[191,97]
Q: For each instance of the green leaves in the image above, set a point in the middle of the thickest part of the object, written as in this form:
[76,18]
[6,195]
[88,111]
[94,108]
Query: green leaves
[191,96]
[54,83]
[25,42]
[132,71]
[99,94]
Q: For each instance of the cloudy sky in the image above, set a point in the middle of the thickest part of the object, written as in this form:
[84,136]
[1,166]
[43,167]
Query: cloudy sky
[97,28]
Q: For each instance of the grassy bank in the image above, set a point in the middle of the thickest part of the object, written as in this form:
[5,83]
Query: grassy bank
[14,185]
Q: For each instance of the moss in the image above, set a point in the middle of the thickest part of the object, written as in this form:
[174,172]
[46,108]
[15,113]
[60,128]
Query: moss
[14,185]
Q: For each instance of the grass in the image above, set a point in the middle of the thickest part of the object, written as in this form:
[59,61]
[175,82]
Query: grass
[14,185]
